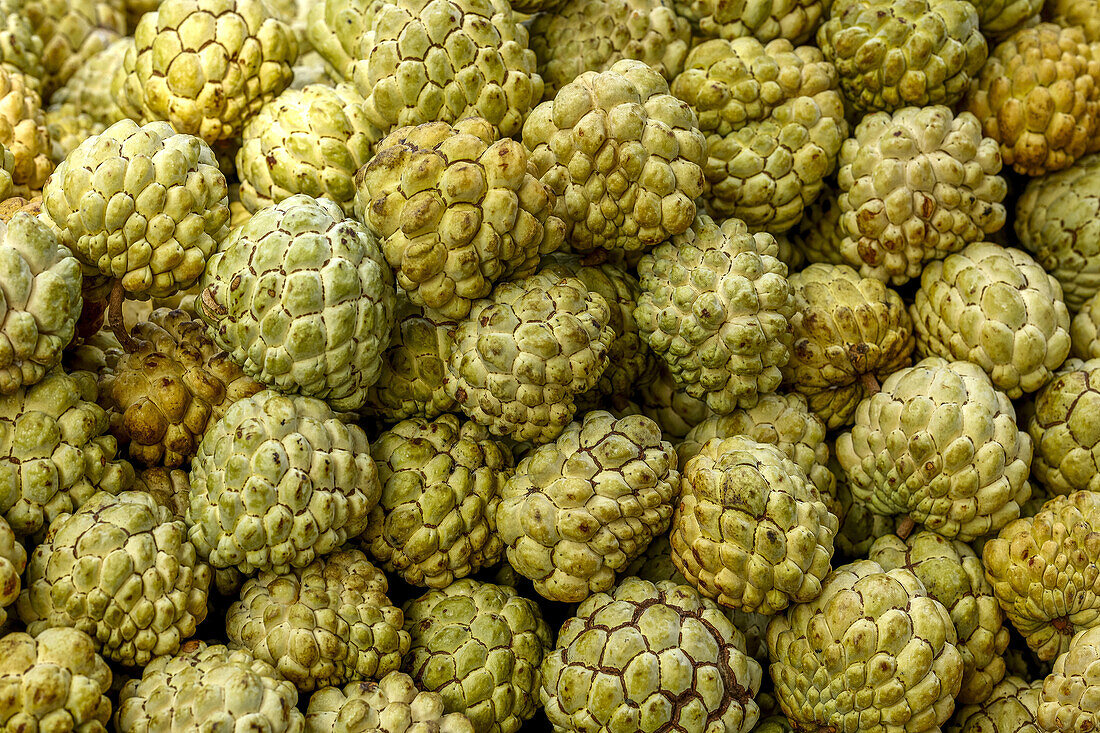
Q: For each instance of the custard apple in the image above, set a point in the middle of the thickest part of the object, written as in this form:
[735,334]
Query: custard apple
[1064,424]
[391,705]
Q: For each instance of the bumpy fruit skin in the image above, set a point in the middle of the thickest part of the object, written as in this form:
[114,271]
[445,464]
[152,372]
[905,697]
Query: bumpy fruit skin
[1043,572]
[774,123]
[54,451]
[667,404]
[334,28]
[751,531]
[310,140]
[13,559]
[170,488]
[1084,330]
[470,58]
[859,525]
[53,681]
[591,35]
[782,420]
[277,482]
[23,130]
[89,91]
[20,45]
[122,570]
[1039,98]
[866,617]
[891,54]
[650,656]
[168,211]
[209,686]
[1068,700]
[456,209]
[40,282]
[325,624]
[1065,426]
[1010,708]
[391,705]
[72,31]
[302,299]
[915,186]
[850,333]
[441,483]
[995,307]
[953,574]
[622,155]
[766,20]
[940,444]
[818,233]
[629,361]
[1058,221]
[227,59]
[163,395]
[414,365]
[581,508]
[522,355]
[715,306]
[1068,14]
[479,646]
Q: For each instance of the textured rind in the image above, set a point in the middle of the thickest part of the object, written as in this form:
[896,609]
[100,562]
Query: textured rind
[168,211]
[1043,570]
[23,130]
[210,686]
[441,483]
[850,333]
[715,306]
[953,574]
[469,58]
[940,444]
[859,525]
[20,45]
[122,570]
[53,681]
[591,35]
[1039,98]
[1058,221]
[1084,330]
[650,656]
[456,209]
[1065,427]
[622,155]
[783,420]
[414,365]
[54,451]
[13,560]
[522,355]
[630,363]
[898,53]
[667,404]
[794,20]
[170,488]
[72,32]
[995,307]
[1010,708]
[1067,703]
[277,482]
[328,623]
[999,18]
[479,646]
[391,705]
[1068,14]
[917,185]
[162,396]
[227,58]
[303,300]
[751,531]
[818,233]
[868,631]
[40,287]
[310,140]
[774,124]
[89,89]
[334,28]
[580,509]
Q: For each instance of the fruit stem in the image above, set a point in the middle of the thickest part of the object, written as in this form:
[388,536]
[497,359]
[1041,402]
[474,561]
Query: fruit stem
[905,528]
[114,318]
[870,384]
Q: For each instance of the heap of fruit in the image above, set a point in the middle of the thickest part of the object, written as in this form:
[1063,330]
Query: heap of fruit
[500,366]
